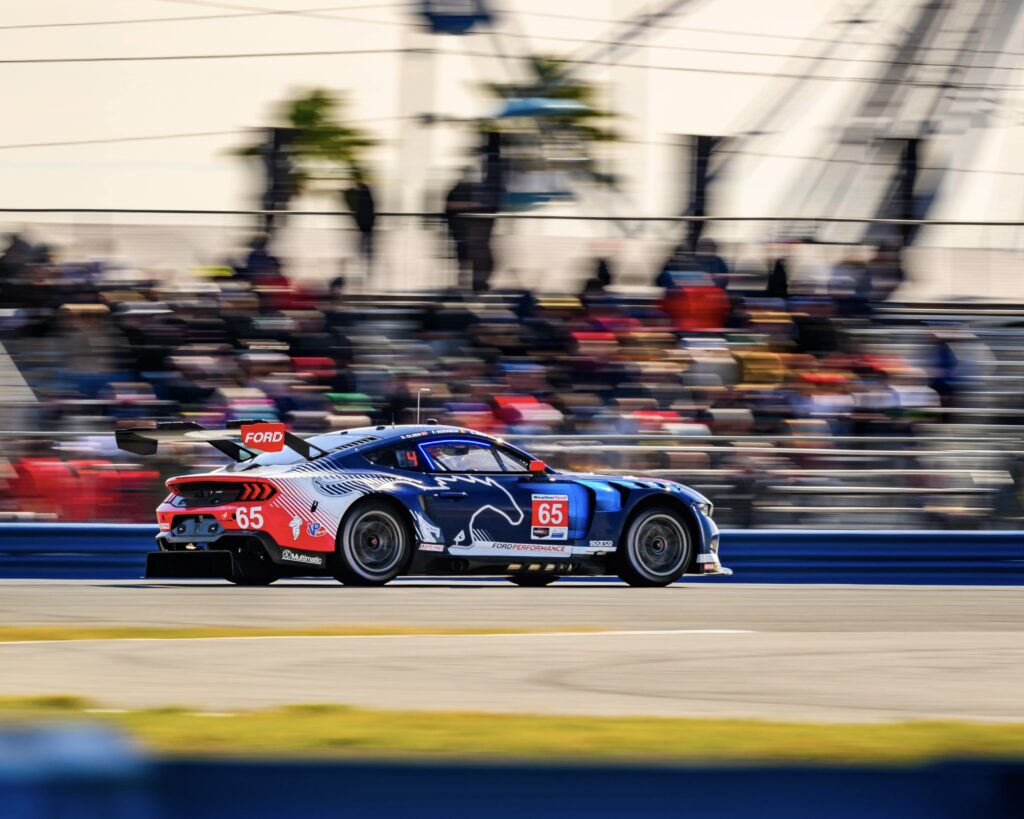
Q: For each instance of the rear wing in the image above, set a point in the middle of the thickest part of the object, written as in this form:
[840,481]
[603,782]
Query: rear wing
[256,437]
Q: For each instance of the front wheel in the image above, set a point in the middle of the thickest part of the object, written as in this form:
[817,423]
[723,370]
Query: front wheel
[533,580]
[374,546]
[655,549]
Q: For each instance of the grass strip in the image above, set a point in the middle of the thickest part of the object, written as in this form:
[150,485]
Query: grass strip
[34,633]
[337,731]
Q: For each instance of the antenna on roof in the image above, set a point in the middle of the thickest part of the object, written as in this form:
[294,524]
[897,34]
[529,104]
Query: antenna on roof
[419,392]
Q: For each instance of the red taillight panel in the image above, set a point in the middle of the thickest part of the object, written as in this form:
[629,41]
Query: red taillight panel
[257,491]
[219,492]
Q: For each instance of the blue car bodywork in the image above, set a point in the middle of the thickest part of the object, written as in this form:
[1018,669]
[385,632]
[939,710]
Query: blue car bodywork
[471,504]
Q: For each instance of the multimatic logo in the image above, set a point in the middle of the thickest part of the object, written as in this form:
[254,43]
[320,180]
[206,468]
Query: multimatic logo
[298,557]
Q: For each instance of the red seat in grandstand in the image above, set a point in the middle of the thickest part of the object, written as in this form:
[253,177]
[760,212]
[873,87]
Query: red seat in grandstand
[42,485]
[695,309]
[88,500]
[138,491]
[317,366]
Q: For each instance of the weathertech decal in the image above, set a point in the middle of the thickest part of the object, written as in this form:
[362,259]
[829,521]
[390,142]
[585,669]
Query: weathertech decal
[264,437]
[550,517]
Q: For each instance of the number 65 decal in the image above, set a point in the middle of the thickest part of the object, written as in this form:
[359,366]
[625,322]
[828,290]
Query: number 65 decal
[550,517]
[251,518]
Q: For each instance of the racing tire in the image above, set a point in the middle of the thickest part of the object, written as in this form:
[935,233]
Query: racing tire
[374,545]
[242,580]
[656,548]
[533,580]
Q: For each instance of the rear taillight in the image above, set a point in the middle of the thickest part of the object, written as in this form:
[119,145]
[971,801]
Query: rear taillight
[256,492]
[216,493]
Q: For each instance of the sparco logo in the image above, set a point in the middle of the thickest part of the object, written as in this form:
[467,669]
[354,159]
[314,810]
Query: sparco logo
[265,437]
[296,557]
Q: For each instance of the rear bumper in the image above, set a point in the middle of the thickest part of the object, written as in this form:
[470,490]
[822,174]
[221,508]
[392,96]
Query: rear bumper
[249,554]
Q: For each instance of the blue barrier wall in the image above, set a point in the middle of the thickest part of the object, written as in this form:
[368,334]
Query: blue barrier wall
[75,550]
[62,786]
[896,556]
[102,551]
[453,791]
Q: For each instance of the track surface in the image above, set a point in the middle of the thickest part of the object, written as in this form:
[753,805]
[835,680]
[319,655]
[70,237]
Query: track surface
[845,653]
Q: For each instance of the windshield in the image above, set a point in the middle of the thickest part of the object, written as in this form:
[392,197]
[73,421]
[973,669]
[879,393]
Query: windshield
[328,441]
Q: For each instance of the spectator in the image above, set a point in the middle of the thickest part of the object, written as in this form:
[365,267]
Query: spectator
[886,273]
[359,199]
[710,262]
[778,280]
[600,281]
[456,204]
[260,265]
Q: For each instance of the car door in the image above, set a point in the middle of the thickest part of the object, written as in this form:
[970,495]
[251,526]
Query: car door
[488,504]
[471,499]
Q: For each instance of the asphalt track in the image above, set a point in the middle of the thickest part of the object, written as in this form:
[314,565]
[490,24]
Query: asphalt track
[823,653]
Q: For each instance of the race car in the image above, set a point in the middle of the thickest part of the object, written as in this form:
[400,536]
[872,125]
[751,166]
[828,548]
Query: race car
[367,505]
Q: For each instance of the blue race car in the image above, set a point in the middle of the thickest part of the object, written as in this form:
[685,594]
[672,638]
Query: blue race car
[367,505]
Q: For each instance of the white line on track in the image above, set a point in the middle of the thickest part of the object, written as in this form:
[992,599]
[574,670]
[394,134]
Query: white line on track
[498,634]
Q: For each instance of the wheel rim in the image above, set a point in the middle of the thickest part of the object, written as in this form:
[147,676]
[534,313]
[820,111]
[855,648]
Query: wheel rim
[660,545]
[375,543]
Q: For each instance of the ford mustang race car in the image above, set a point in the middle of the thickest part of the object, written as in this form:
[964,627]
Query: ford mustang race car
[367,505]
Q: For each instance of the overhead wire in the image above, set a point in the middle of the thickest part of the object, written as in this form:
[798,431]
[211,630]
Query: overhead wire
[156,137]
[758,34]
[320,13]
[569,60]
[192,17]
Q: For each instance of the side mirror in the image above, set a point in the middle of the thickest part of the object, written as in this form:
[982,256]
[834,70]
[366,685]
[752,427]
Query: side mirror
[538,467]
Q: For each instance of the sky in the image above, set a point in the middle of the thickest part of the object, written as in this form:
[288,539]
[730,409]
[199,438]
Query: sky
[707,69]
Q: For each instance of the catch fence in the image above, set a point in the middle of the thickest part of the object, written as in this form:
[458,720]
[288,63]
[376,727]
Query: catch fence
[545,251]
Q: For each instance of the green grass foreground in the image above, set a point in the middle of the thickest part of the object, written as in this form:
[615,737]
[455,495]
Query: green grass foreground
[341,732]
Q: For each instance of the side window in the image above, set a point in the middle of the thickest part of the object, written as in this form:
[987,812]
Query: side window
[396,457]
[510,461]
[461,456]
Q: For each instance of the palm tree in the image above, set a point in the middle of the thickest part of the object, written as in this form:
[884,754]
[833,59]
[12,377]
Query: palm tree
[551,120]
[309,148]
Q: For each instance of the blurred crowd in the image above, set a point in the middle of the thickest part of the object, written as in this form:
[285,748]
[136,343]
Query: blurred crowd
[791,396]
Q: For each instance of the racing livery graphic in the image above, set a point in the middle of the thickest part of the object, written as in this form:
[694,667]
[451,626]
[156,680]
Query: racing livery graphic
[367,505]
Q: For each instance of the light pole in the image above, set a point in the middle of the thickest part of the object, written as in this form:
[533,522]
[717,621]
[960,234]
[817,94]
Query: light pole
[419,392]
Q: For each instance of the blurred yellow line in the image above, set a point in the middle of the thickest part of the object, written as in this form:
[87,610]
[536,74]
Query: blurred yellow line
[339,731]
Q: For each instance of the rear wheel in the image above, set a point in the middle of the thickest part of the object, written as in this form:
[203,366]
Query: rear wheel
[533,580]
[374,545]
[656,548]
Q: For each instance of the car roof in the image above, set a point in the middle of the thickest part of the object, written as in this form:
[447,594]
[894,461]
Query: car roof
[401,432]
